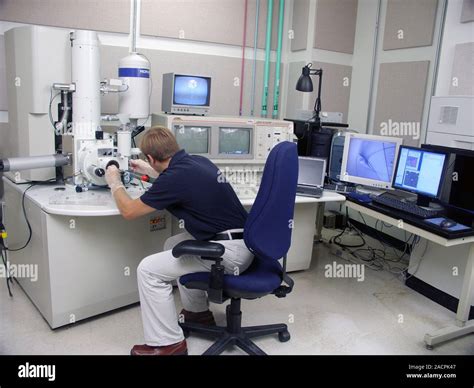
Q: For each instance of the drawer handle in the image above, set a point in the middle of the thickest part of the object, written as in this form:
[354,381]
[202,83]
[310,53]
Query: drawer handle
[464,141]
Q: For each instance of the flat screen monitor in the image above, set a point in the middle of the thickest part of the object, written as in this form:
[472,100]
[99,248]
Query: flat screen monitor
[420,171]
[193,139]
[235,141]
[369,159]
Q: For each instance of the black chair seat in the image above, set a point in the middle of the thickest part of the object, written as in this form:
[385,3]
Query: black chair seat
[261,278]
[198,248]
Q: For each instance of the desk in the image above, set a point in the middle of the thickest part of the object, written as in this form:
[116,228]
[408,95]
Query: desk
[86,254]
[462,325]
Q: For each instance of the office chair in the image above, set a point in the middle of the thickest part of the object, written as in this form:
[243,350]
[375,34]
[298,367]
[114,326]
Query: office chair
[267,234]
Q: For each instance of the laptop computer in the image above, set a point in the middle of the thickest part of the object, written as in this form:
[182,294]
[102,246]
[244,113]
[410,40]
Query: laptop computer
[311,176]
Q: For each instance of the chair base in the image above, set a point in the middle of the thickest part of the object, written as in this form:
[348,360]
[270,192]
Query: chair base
[234,333]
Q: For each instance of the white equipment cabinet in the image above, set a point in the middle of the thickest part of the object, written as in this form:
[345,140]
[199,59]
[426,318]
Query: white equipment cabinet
[85,253]
[451,122]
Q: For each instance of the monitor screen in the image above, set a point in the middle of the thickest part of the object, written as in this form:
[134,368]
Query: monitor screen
[419,171]
[234,141]
[311,171]
[193,139]
[190,90]
[369,159]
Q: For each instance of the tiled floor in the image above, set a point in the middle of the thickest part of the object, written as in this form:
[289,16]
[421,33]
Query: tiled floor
[325,316]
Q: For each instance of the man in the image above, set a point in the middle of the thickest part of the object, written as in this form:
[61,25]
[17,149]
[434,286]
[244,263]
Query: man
[189,188]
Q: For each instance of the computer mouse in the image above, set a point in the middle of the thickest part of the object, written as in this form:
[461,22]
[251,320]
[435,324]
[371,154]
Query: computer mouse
[446,224]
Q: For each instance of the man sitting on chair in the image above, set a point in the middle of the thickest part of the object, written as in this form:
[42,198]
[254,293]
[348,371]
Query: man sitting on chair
[191,189]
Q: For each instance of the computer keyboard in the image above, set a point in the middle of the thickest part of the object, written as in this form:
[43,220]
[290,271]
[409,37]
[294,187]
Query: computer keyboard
[407,207]
[339,188]
[316,192]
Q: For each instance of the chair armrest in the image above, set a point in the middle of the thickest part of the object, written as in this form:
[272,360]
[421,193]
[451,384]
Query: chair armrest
[205,249]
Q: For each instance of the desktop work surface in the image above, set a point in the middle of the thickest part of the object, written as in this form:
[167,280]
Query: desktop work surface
[462,325]
[86,254]
[427,225]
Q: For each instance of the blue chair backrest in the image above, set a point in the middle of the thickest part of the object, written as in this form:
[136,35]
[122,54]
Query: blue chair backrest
[267,232]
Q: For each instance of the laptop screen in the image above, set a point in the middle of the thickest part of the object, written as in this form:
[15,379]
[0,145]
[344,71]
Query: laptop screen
[311,171]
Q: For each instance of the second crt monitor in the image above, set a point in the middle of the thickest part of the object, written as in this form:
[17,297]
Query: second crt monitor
[369,159]
[235,141]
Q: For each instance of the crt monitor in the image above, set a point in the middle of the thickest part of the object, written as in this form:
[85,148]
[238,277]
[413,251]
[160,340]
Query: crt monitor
[235,141]
[192,138]
[191,90]
[420,171]
[186,94]
[369,159]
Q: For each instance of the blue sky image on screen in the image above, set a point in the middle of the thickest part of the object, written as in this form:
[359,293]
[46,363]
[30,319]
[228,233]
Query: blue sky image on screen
[371,159]
[191,90]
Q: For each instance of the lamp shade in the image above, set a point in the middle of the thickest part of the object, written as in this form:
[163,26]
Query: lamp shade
[305,84]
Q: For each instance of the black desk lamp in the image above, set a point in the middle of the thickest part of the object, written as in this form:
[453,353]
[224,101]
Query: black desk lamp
[305,84]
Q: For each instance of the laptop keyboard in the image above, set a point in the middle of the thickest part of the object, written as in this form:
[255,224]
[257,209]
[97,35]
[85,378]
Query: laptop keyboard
[310,191]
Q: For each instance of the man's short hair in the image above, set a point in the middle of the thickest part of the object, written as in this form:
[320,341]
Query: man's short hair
[160,143]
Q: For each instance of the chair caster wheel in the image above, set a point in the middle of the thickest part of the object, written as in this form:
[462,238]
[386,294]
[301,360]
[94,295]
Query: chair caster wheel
[429,347]
[284,336]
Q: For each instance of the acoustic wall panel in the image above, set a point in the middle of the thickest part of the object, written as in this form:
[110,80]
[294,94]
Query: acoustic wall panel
[299,25]
[400,99]
[262,23]
[336,88]
[294,100]
[104,15]
[467,12]
[225,93]
[409,23]
[3,79]
[216,21]
[335,25]
[462,77]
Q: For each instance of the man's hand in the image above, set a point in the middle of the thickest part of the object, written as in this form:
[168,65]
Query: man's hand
[139,166]
[113,179]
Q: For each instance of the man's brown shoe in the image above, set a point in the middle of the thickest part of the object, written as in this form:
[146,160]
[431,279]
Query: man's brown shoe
[178,349]
[204,317]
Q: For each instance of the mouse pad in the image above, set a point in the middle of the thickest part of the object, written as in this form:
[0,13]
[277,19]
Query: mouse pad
[437,221]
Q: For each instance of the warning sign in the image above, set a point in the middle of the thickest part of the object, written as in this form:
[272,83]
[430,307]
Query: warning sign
[157,223]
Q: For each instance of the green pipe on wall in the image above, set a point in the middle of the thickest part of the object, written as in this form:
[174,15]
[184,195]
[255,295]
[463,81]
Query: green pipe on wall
[268,43]
[276,89]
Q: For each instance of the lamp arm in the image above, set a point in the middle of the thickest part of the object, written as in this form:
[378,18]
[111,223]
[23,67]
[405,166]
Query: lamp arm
[317,103]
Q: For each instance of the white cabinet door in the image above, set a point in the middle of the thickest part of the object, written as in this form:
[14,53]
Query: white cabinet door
[450,140]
